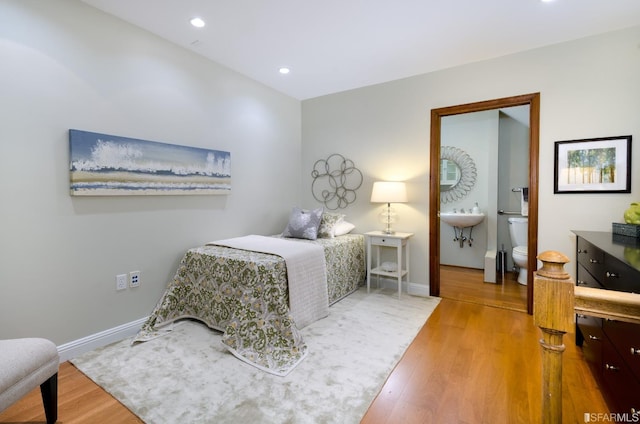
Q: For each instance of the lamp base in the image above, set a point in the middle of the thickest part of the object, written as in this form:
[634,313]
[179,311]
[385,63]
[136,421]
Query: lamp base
[388,217]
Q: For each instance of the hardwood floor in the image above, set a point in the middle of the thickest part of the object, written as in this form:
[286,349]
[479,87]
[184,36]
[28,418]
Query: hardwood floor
[470,363]
[80,401]
[467,285]
[473,363]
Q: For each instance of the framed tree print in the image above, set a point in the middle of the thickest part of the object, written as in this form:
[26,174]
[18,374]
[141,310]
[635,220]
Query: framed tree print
[595,165]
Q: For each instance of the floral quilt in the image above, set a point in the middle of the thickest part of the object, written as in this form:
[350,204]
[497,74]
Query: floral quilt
[244,294]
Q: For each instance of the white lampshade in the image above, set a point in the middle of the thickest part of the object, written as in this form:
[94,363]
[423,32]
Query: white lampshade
[389,192]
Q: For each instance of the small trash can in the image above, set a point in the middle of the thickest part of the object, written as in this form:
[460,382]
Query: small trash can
[501,261]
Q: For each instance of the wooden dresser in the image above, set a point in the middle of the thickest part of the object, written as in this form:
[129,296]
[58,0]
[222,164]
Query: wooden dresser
[612,348]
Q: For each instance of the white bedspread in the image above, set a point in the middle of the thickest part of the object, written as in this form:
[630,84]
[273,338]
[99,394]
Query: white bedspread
[306,273]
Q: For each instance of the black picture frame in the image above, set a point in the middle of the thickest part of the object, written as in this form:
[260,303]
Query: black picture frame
[593,165]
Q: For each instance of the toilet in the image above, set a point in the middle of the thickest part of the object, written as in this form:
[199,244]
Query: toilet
[518,229]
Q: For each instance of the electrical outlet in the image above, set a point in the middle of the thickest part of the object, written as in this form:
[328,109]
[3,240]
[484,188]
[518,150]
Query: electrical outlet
[121,281]
[134,279]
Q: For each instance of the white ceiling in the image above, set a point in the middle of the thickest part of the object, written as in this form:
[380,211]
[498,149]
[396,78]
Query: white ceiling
[337,45]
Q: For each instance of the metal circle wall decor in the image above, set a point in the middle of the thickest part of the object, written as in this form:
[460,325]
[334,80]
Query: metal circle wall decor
[335,181]
[468,173]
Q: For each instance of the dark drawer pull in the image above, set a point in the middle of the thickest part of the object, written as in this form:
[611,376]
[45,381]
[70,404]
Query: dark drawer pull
[582,251]
[594,261]
[581,283]
[635,351]
[593,337]
[581,316]
[611,275]
[611,367]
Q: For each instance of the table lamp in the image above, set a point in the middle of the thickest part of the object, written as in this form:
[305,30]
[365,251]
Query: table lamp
[388,192]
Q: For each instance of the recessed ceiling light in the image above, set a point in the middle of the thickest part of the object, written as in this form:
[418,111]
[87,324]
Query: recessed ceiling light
[197,22]
[284,70]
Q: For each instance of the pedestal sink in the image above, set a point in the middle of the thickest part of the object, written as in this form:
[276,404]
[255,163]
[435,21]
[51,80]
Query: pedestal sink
[461,220]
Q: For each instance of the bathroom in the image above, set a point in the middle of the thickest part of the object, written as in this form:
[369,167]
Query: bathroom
[496,143]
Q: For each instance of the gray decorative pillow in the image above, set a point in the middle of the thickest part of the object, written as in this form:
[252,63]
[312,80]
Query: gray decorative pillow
[303,223]
[328,224]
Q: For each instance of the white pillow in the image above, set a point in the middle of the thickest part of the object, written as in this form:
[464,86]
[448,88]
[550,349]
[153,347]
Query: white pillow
[303,223]
[342,228]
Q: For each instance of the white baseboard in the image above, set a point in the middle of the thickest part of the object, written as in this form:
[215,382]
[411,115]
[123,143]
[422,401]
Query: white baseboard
[413,289]
[77,347]
[416,289]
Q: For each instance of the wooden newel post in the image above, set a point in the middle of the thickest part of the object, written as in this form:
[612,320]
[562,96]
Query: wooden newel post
[553,312]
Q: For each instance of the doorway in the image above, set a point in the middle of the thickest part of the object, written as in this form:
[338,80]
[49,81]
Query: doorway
[533,101]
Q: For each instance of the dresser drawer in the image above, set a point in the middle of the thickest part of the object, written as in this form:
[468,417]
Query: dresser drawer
[619,276]
[623,390]
[592,340]
[591,258]
[585,279]
[626,339]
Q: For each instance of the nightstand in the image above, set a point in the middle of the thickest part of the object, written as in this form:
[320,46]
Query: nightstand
[397,240]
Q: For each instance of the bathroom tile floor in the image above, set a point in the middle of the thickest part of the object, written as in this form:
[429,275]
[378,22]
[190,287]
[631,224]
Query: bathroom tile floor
[467,285]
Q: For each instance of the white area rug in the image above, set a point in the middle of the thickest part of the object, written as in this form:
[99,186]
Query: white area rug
[188,377]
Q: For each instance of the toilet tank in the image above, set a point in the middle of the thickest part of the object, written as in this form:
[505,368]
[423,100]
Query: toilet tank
[518,228]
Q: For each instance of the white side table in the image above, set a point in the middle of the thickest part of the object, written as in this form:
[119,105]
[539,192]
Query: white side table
[397,240]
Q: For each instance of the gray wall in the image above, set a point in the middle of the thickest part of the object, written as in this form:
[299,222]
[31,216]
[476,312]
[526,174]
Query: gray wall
[474,133]
[66,65]
[513,174]
[589,88]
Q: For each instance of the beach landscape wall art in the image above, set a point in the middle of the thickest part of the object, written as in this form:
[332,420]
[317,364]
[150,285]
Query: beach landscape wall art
[109,165]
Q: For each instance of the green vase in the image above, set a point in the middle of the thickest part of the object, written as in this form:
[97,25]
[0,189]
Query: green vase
[632,215]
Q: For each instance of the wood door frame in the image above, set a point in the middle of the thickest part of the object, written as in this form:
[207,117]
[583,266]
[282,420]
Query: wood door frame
[533,100]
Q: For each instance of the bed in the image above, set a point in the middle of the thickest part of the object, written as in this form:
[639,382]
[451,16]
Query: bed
[244,294]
